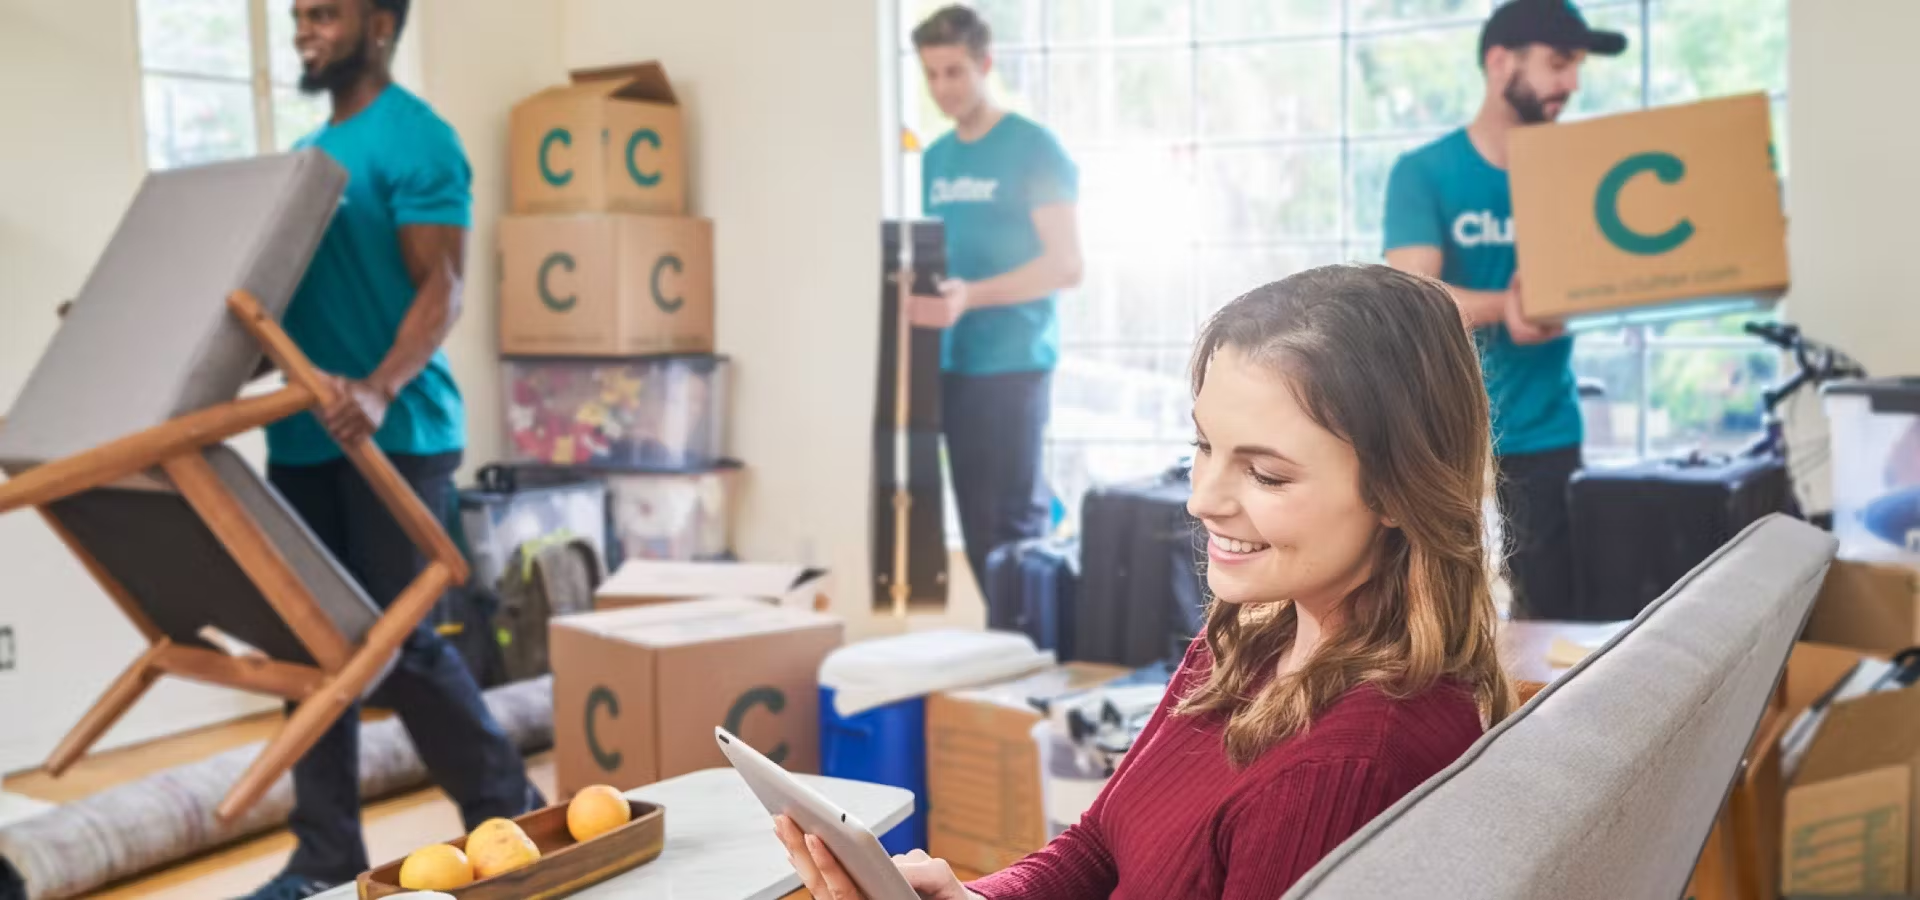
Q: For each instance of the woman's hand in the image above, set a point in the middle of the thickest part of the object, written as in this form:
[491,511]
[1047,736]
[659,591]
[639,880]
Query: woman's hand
[931,878]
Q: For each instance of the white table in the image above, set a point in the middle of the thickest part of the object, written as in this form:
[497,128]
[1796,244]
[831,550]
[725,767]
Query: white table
[720,843]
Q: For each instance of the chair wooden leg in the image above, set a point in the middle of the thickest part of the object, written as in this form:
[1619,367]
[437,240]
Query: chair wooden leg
[258,674]
[113,704]
[319,711]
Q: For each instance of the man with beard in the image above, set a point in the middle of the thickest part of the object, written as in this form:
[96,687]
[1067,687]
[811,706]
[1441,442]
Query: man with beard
[1449,216]
[381,295]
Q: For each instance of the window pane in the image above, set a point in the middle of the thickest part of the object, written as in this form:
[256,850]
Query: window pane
[197,37]
[1107,95]
[1139,195]
[1090,20]
[191,121]
[1780,137]
[295,115]
[1369,164]
[1130,296]
[1611,84]
[1608,360]
[1011,21]
[1271,193]
[1420,80]
[280,52]
[1713,48]
[1374,13]
[1707,397]
[1271,91]
[1228,272]
[1244,18]
[1123,394]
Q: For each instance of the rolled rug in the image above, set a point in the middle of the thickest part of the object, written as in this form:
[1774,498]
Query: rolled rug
[168,816]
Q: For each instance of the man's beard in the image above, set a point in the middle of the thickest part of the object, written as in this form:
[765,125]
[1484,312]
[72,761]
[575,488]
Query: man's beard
[338,74]
[1528,105]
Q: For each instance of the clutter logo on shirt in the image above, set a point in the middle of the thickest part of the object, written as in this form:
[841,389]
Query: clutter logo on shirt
[1606,204]
[965,189]
[1476,227]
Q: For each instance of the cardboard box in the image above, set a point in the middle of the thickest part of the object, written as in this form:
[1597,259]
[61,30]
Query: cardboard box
[1848,820]
[1653,208]
[637,692]
[611,141]
[984,806]
[649,582]
[605,285]
[1867,606]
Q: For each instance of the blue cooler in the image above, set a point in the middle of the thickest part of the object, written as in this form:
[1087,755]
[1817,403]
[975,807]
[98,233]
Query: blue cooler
[873,707]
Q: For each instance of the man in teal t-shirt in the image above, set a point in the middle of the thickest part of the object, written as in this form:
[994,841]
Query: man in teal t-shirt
[1006,193]
[1449,216]
[380,296]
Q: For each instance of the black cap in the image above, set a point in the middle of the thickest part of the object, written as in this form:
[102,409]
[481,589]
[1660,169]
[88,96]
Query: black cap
[1556,23]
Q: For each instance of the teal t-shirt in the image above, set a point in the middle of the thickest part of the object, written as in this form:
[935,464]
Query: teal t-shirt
[1447,195]
[985,192]
[404,166]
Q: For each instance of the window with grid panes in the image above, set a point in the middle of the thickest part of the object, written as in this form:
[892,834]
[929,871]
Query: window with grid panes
[1223,144]
[219,79]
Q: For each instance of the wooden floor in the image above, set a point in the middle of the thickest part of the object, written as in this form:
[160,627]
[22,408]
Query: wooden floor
[394,827]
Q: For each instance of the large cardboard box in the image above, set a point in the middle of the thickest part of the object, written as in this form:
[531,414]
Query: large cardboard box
[1848,826]
[644,582]
[984,806]
[605,285]
[1653,208]
[612,140]
[1867,606]
[637,692]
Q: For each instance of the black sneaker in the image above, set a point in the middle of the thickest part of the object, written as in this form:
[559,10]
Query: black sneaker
[288,886]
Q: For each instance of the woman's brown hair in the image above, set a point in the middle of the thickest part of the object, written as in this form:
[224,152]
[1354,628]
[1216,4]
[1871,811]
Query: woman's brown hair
[1381,359]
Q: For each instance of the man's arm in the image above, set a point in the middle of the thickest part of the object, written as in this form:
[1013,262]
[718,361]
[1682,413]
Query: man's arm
[1480,308]
[1057,268]
[436,260]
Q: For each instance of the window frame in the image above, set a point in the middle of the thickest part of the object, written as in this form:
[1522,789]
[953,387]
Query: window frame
[259,81]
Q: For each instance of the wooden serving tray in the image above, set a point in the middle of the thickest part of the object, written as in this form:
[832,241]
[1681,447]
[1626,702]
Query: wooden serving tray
[564,866]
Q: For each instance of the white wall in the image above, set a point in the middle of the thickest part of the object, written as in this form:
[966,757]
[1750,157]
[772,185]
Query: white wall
[1854,184]
[70,159]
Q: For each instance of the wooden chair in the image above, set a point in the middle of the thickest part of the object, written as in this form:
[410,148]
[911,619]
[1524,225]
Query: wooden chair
[220,577]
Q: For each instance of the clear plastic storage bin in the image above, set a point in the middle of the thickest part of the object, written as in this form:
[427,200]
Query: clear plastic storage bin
[505,512]
[674,516]
[666,412]
[1875,428]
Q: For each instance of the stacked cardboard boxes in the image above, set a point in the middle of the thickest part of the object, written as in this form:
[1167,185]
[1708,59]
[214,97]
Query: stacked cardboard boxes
[607,312]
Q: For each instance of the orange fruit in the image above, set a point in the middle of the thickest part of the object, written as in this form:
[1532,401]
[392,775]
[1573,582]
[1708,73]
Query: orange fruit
[595,811]
[435,867]
[497,846]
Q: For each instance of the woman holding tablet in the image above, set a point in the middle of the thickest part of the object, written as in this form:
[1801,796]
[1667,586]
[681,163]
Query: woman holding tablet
[1343,454]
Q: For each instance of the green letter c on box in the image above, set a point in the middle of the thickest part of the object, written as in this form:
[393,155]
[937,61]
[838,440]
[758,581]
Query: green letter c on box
[557,304]
[773,700]
[1606,205]
[666,261]
[608,760]
[557,136]
[643,136]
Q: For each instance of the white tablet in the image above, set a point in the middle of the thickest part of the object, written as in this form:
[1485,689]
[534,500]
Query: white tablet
[857,849]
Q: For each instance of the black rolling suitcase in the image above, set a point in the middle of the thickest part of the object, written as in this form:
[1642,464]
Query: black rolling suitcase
[1638,529]
[1032,587]
[1140,598]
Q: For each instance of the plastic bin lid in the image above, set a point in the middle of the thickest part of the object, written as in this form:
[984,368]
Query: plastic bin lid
[875,673]
[1884,395]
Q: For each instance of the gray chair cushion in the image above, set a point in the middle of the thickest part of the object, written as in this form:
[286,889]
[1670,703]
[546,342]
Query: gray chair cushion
[155,545]
[1607,783]
[149,336]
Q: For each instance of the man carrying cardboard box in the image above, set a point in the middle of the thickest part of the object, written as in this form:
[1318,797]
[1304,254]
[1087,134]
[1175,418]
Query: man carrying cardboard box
[1449,216]
[1007,194]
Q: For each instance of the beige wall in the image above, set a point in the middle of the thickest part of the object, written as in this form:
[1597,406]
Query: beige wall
[1854,183]
[70,159]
